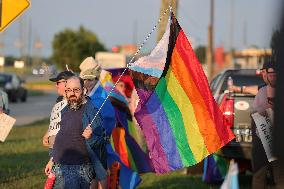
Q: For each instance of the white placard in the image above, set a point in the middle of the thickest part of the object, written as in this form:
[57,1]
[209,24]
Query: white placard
[55,118]
[6,124]
[264,127]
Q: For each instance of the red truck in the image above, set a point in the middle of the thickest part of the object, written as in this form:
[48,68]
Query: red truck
[237,108]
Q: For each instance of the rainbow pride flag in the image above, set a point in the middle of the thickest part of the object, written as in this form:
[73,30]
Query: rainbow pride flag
[124,135]
[178,115]
[215,168]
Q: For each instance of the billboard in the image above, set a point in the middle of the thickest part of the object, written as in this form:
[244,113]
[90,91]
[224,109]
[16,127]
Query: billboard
[110,60]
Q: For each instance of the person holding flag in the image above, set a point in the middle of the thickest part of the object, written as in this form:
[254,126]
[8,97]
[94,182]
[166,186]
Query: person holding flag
[90,73]
[81,133]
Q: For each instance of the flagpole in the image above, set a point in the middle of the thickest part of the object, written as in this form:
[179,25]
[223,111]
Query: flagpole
[210,48]
[130,62]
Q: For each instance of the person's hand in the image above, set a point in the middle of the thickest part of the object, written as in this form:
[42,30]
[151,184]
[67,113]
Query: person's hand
[45,140]
[263,113]
[87,132]
[234,88]
[48,167]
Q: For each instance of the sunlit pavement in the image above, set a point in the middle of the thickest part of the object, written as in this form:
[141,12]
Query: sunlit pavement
[36,108]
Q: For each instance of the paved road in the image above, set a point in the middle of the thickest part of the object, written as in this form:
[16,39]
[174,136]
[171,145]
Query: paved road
[36,108]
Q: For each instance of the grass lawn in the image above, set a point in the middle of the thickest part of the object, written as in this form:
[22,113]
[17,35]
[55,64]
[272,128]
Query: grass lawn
[39,85]
[22,157]
[175,180]
[20,72]
[35,92]
[22,160]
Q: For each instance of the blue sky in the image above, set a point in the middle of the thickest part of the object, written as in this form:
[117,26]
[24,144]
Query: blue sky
[113,21]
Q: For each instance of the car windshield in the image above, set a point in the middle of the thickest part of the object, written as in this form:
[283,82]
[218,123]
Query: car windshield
[244,80]
[214,83]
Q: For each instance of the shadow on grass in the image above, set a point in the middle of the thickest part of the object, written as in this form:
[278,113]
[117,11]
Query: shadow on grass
[179,180]
[42,122]
[14,141]
[172,181]
[22,157]
[18,166]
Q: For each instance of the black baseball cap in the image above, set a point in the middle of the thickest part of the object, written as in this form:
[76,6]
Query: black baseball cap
[62,75]
[269,64]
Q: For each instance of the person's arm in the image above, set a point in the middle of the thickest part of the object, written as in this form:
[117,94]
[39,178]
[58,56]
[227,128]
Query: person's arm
[252,89]
[45,142]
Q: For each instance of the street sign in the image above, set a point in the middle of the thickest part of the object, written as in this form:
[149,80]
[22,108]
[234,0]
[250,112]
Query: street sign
[10,10]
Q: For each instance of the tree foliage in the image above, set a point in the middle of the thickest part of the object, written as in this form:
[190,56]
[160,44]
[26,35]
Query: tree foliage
[275,43]
[200,52]
[71,47]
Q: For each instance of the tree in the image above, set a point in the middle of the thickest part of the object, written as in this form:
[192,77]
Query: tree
[72,47]
[200,52]
[275,43]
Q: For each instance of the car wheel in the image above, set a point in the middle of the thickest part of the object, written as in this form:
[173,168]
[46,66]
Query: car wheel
[24,97]
[14,98]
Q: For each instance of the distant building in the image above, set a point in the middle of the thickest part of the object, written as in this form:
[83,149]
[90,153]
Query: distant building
[128,50]
[251,58]
[110,60]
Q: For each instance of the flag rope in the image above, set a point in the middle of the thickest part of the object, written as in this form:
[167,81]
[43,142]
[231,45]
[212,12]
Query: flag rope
[130,62]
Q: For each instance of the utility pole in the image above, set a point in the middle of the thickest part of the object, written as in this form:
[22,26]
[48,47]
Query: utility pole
[163,24]
[232,26]
[37,51]
[0,13]
[210,48]
[245,34]
[232,32]
[29,54]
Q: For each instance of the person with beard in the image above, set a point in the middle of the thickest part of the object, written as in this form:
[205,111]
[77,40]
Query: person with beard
[73,149]
[55,115]
[90,73]
[263,176]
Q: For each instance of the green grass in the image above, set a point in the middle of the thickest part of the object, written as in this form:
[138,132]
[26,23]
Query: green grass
[22,157]
[39,85]
[172,181]
[20,72]
[40,82]
[179,180]
[22,161]
[35,92]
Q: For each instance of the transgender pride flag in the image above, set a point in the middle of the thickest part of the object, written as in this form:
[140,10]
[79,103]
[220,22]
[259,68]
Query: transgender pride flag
[181,121]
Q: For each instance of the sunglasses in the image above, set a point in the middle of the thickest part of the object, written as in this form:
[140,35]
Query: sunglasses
[268,70]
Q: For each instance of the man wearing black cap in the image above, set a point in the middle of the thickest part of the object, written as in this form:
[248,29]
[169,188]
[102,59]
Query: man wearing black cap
[61,102]
[263,171]
[60,80]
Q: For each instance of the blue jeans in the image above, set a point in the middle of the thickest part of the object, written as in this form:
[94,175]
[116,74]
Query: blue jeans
[73,176]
